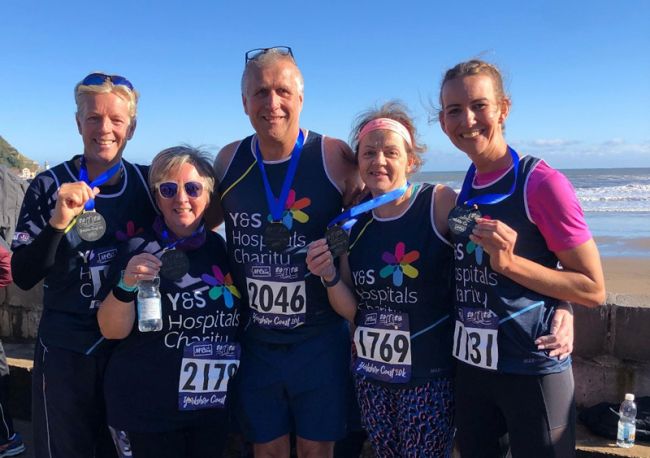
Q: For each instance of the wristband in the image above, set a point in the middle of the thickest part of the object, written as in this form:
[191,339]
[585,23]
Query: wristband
[333,282]
[124,286]
[124,296]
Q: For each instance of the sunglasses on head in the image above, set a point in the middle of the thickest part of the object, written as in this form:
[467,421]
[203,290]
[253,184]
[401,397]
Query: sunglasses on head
[169,189]
[97,79]
[257,52]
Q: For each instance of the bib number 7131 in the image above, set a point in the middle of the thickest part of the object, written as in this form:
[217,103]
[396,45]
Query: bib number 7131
[476,346]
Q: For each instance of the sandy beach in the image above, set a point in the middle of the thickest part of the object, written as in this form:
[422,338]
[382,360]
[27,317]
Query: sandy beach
[626,274]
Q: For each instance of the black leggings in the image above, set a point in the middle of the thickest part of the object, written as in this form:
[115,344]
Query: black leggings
[537,412]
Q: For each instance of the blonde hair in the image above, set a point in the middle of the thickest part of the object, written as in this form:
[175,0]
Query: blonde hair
[396,111]
[172,159]
[129,96]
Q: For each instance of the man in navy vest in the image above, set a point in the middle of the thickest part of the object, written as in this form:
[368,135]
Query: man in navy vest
[71,220]
[279,189]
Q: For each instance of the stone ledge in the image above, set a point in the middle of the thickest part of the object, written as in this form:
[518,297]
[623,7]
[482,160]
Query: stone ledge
[589,445]
[606,379]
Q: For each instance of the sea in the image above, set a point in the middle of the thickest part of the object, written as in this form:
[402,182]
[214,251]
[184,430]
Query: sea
[616,203]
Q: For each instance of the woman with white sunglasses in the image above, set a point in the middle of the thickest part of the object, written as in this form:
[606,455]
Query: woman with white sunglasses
[166,388]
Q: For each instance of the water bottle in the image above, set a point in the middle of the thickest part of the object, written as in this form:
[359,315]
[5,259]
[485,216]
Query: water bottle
[149,305]
[627,422]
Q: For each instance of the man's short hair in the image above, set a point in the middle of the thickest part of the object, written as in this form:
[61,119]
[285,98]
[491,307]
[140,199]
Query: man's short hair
[267,58]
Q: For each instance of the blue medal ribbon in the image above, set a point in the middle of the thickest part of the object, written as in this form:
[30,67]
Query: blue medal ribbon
[100,180]
[170,246]
[276,205]
[487,198]
[366,206]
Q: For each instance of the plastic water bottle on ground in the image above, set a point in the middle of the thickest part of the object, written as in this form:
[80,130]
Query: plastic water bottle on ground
[626,422]
[149,305]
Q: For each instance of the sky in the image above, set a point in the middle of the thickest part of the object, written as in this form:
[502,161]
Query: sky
[578,72]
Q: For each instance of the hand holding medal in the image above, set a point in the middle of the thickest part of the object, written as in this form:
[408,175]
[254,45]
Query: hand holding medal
[90,225]
[70,202]
[320,260]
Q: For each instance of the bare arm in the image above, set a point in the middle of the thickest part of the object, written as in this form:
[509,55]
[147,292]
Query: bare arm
[116,318]
[445,200]
[321,263]
[342,168]
[214,213]
[580,281]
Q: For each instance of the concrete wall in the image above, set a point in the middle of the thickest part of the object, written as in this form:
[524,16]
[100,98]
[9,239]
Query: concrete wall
[20,312]
[611,356]
[612,350]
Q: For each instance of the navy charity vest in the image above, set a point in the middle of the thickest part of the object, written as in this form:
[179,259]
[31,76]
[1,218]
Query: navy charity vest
[147,371]
[285,303]
[70,289]
[401,269]
[498,320]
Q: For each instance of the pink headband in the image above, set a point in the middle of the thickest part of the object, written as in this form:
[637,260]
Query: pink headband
[386,124]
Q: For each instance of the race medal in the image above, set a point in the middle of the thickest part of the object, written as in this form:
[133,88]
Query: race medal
[383,343]
[175,264]
[462,220]
[206,370]
[91,226]
[276,237]
[337,240]
[476,337]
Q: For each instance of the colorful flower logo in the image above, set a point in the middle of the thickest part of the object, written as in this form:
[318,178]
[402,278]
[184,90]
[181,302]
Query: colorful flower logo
[221,285]
[293,210]
[472,247]
[131,232]
[399,264]
[477,250]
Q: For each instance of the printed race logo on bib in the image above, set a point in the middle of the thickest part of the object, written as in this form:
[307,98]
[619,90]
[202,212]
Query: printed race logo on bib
[475,337]
[206,369]
[383,343]
[277,295]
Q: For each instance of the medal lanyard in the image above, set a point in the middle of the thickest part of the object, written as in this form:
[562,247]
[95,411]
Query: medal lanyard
[172,245]
[100,180]
[276,206]
[487,198]
[367,206]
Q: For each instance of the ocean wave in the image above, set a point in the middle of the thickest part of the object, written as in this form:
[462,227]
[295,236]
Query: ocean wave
[624,198]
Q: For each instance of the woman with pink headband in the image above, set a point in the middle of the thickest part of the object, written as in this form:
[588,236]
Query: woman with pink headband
[394,285]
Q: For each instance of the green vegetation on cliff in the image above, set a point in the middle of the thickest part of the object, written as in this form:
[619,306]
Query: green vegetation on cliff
[10,157]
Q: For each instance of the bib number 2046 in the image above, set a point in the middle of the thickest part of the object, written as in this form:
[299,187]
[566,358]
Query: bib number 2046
[277,297]
[476,346]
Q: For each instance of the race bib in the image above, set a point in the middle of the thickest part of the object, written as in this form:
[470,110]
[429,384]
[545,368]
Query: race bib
[383,343]
[475,337]
[206,369]
[277,295]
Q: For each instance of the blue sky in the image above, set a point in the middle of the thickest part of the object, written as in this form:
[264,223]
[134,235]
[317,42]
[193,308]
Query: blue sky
[578,71]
